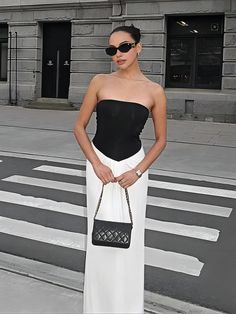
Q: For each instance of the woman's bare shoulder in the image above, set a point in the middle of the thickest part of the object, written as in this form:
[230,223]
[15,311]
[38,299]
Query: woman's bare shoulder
[100,77]
[156,89]
[97,82]
[158,94]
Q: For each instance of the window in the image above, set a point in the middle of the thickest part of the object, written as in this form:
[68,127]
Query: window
[194,51]
[3,51]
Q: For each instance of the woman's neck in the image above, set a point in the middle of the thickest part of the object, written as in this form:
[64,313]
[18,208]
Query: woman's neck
[132,73]
[137,76]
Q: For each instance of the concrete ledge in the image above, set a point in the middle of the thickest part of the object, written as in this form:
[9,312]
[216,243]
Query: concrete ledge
[201,105]
[201,94]
[210,117]
[154,303]
[50,104]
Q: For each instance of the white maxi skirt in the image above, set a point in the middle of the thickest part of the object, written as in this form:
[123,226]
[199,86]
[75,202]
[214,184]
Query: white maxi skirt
[114,277]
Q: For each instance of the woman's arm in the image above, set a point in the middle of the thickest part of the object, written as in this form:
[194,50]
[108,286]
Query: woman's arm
[89,102]
[160,128]
[159,119]
[84,115]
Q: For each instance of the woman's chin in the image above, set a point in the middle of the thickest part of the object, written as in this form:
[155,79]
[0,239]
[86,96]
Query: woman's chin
[122,66]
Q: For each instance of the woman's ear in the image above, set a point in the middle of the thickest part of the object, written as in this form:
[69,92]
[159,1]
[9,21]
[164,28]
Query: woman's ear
[139,47]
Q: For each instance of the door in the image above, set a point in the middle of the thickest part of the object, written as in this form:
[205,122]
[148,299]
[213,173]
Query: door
[56,59]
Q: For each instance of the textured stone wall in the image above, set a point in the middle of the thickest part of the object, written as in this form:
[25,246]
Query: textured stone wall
[23,3]
[229,56]
[92,21]
[89,38]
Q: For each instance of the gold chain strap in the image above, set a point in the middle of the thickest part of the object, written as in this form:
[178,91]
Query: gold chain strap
[127,198]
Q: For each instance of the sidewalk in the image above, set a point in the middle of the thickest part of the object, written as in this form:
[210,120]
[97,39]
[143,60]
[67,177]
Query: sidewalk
[194,148]
[32,287]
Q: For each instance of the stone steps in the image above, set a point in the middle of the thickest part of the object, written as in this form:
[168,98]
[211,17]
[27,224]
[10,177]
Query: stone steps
[51,104]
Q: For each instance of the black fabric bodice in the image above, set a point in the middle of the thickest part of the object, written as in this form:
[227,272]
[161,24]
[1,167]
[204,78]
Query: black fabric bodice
[119,124]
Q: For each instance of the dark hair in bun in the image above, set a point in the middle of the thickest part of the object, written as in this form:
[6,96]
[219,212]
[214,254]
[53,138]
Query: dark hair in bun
[132,30]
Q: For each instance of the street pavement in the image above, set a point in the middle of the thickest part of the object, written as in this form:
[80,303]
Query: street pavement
[197,166]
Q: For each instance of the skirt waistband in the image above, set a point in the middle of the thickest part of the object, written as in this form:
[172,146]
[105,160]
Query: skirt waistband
[137,156]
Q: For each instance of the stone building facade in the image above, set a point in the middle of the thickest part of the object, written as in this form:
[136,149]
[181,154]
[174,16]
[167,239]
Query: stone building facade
[52,48]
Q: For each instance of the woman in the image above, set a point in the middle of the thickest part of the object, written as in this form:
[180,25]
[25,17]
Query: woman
[114,277]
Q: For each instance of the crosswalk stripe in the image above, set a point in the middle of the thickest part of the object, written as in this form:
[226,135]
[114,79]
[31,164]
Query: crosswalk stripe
[189,206]
[192,176]
[44,234]
[153,257]
[173,261]
[156,201]
[156,184]
[58,185]
[42,203]
[32,156]
[152,183]
[150,224]
[75,172]
[192,189]
[61,170]
[197,232]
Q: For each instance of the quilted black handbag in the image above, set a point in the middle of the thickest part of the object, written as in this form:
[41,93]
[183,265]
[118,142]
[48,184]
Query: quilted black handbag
[112,233]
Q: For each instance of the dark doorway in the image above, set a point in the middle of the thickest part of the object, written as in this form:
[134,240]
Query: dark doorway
[56,59]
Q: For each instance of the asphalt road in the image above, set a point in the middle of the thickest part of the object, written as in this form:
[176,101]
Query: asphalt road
[189,237]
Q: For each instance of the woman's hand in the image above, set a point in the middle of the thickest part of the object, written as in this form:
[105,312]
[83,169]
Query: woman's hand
[104,173]
[127,178]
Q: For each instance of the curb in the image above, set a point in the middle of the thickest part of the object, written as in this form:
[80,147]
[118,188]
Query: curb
[72,280]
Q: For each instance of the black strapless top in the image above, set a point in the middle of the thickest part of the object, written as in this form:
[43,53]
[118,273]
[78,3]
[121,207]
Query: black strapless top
[119,124]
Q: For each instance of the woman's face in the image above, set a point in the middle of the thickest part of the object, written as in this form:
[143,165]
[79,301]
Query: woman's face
[124,59]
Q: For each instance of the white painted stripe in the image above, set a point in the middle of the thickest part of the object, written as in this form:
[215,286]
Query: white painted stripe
[0,160]
[157,184]
[51,184]
[61,170]
[151,171]
[153,257]
[152,183]
[36,232]
[156,201]
[173,261]
[189,206]
[197,232]
[192,176]
[63,160]
[192,189]
[71,209]
[37,202]
[175,204]
[75,172]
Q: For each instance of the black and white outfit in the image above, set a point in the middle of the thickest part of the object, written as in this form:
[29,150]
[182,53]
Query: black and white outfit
[114,277]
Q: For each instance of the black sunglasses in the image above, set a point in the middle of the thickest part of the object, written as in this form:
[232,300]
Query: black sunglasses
[111,51]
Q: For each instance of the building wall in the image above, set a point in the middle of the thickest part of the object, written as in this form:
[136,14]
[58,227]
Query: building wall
[229,57]
[92,21]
